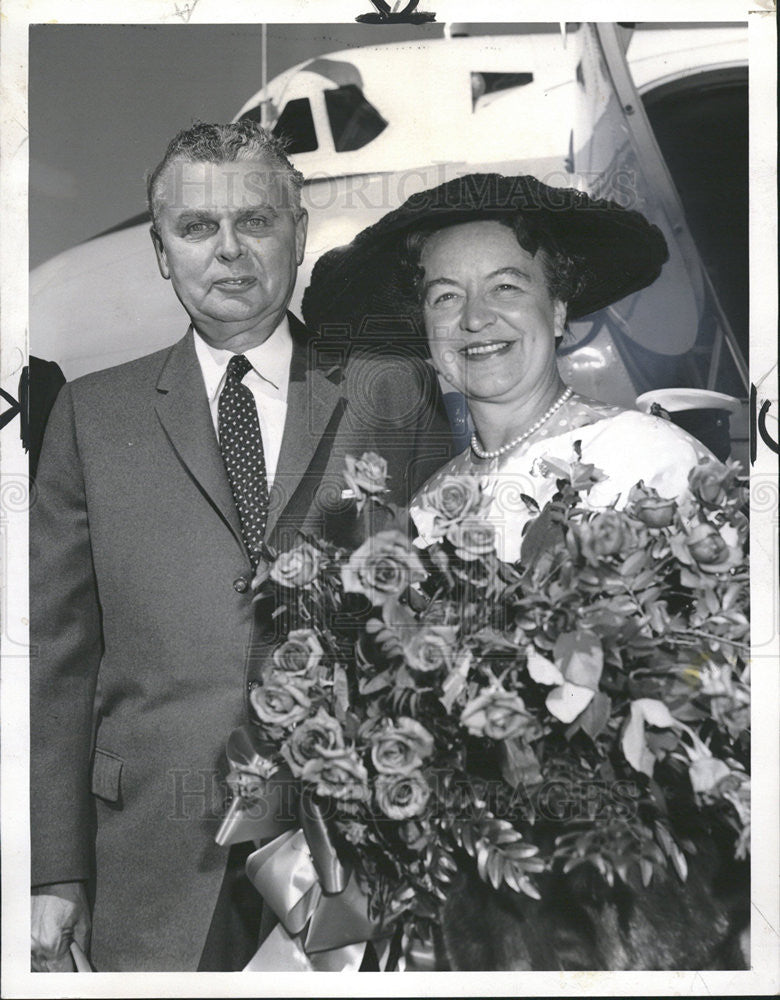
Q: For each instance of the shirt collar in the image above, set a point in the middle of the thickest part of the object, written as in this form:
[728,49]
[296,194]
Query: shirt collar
[270,360]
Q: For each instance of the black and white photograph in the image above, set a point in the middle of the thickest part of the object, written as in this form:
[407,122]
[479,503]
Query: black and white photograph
[389,499]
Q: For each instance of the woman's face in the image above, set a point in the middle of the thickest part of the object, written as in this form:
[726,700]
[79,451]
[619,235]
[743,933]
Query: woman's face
[489,318]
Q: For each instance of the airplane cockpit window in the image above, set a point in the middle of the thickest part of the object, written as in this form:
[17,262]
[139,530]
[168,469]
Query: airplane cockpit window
[354,122]
[296,124]
[483,84]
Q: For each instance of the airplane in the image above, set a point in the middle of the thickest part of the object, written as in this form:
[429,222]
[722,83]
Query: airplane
[655,118]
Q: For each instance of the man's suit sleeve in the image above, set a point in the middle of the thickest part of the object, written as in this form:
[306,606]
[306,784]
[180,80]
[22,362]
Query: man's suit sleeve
[411,428]
[432,443]
[66,648]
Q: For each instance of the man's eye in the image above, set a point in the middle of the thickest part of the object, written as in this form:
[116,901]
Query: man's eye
[197,228]
[256,222]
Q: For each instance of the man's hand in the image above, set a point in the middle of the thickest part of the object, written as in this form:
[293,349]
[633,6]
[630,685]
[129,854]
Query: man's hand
[60,914]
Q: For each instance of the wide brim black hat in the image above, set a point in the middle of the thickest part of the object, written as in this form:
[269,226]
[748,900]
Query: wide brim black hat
[619,250]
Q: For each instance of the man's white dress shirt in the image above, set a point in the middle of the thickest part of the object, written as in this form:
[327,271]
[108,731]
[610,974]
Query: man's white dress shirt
[268,381]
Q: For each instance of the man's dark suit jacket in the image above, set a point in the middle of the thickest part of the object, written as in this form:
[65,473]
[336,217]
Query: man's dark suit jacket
[142,619]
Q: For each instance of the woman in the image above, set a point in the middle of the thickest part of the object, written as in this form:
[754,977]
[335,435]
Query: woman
[494,267]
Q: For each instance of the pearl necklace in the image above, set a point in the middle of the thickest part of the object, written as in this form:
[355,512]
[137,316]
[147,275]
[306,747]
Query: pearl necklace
[475,447]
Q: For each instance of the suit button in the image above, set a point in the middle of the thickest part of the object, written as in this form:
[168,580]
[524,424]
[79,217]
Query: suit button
[241,585]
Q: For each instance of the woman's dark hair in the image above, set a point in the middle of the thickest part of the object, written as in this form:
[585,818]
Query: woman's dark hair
[565,274]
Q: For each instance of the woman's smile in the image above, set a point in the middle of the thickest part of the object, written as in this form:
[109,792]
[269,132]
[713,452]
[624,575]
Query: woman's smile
[485,349]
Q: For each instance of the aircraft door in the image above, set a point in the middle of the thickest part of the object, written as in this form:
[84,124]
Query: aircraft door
[675,333]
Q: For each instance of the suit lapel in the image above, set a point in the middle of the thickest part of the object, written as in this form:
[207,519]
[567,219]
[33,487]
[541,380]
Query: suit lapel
[311,400]
[183,409]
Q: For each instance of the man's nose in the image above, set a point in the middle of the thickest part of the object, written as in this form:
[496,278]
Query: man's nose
[229,245]
[476,314]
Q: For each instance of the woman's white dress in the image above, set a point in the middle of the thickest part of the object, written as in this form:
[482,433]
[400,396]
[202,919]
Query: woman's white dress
[625,446]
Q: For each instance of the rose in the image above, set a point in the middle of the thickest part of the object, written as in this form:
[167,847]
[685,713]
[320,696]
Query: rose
[607,534]
[337,772]
[646,504]
[706,545]
[298,567]
[308,739]
[711,550]
[455,497]
[400,747]
[280,701]
[300,653]
[497,714]
[353,832]
[382,568]
[709,481]
[472,538]
[430,648]
[402,796]
[452,499]
[367,474]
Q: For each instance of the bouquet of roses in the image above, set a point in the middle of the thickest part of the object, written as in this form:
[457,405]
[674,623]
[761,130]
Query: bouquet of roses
[587,706]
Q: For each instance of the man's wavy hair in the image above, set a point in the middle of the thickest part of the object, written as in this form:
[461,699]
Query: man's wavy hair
[244,140]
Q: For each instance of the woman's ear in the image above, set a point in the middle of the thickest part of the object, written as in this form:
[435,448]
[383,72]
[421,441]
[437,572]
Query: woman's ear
[560,310]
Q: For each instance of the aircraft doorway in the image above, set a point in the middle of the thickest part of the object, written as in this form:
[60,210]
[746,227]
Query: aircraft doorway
[701,125]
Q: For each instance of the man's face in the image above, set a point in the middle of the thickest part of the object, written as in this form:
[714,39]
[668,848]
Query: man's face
[230,240]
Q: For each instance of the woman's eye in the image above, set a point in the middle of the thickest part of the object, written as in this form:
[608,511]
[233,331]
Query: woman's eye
[506,287]
[443,298]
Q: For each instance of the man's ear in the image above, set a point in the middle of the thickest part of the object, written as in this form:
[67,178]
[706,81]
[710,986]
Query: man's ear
[301,229]
[159,251]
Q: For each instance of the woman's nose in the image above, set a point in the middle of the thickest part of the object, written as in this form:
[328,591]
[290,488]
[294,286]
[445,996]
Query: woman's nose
[476,314]
[229,245]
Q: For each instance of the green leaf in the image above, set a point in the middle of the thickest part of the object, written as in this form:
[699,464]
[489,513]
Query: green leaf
[529,889]
[519,765]
[596,716]
[374,684]
[522,851]
[679,862]
[482,860]
[568,701]
[646,870]
[633,563]
[511,879]
[495,869]
[542,670]
[580,658]
[634,744]
[340,692]
[661,743]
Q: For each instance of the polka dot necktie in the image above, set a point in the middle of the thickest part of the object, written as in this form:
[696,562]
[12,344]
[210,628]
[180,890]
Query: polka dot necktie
[241,444]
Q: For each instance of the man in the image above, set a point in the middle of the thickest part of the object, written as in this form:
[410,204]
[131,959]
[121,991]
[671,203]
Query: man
[161,486]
